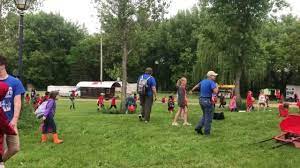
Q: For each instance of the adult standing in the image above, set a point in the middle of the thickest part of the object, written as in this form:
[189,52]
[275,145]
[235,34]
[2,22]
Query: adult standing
[147,93]
[12,107]
[208,87]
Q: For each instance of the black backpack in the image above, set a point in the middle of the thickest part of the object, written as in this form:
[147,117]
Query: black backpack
[219,116]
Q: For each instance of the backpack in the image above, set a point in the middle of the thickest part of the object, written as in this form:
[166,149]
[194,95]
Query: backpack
[142,85]
[218,116]
[39,112]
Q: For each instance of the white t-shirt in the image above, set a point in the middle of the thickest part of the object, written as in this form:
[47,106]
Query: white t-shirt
[262,99]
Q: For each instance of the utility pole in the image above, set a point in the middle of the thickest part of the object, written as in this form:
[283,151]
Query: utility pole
[101,60]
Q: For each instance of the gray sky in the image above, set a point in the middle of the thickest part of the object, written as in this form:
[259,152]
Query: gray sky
[83,12]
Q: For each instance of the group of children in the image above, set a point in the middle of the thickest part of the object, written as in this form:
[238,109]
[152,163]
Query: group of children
[130,102]
[100,102]
[35,99]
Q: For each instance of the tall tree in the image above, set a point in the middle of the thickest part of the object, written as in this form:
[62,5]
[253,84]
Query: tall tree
[119,18]
[231,34]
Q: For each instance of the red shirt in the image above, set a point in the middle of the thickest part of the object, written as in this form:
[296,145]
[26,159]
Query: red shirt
[113,101]
[283,112]
[100,99]
[298,103]
[27,98]
[39,101]
[163,100]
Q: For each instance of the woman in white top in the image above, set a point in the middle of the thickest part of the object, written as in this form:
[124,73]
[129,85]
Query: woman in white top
[262,101]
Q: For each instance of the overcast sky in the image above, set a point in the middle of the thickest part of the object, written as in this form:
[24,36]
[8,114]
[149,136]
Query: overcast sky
[83,12]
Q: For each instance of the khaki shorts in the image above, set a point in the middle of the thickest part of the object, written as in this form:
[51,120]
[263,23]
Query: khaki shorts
[11,141]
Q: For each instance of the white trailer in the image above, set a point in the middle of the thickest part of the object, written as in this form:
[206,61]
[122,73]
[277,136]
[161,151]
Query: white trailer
[291,90]
[62,90]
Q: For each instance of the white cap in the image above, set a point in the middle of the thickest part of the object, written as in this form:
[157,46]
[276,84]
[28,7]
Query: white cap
[211,73]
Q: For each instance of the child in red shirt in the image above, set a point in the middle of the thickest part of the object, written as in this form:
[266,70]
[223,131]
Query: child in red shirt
[27,98]
[171,104]
[113,103]
[249,101]
[163,100]
[283,109]
[100,102]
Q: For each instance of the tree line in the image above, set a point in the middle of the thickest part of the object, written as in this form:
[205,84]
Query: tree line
[241,40]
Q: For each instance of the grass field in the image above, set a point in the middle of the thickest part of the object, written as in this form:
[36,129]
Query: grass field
[93,139]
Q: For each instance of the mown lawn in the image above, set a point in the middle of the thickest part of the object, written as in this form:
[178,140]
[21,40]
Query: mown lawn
[93,139]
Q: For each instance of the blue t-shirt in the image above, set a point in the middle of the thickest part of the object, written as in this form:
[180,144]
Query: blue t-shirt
[206,88]
[15,88]
[150,83]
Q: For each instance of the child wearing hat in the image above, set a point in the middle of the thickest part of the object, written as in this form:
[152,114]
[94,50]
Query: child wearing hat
[48,118]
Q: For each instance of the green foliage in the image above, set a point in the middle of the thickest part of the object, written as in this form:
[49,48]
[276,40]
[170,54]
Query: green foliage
[27,121]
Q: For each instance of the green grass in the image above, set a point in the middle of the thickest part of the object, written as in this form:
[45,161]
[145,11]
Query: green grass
[95,140]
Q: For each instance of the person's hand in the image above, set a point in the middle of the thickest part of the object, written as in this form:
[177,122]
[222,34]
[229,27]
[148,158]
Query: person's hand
[44,118]
[13,123]
[190,92]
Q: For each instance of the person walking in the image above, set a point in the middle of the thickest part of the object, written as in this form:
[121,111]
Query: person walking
[182,102]
[208,87]
[147,92]
[11,105]
[49,125]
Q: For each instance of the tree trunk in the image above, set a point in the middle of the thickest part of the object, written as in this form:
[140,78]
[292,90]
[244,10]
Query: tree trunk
[237,89]
[124,73]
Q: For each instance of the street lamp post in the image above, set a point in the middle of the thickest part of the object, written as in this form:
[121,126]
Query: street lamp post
[22,5]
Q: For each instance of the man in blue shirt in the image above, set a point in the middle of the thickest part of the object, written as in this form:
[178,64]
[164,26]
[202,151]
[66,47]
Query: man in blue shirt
[207,87]
[12,108]
[146,98]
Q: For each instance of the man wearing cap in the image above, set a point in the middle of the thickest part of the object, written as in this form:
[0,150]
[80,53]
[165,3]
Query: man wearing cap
[11,105]
[207,87]
[146,99]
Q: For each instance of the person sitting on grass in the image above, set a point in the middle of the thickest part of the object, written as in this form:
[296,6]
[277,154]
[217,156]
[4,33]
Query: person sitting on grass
[232,104]
[48,118]
[182,102]
[100,102]
[5,127]
[171,104]
[283,109]
[113,103]
[130,101]
[262,101]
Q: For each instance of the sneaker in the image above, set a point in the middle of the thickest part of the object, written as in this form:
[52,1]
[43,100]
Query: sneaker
[2,165]
[175,124]
[199,131]
[146,122]
[187,124]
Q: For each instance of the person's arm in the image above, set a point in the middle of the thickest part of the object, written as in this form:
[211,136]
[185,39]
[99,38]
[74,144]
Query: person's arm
[17,110]
[195,87]
[49,108]
[153,87]
[154,92]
